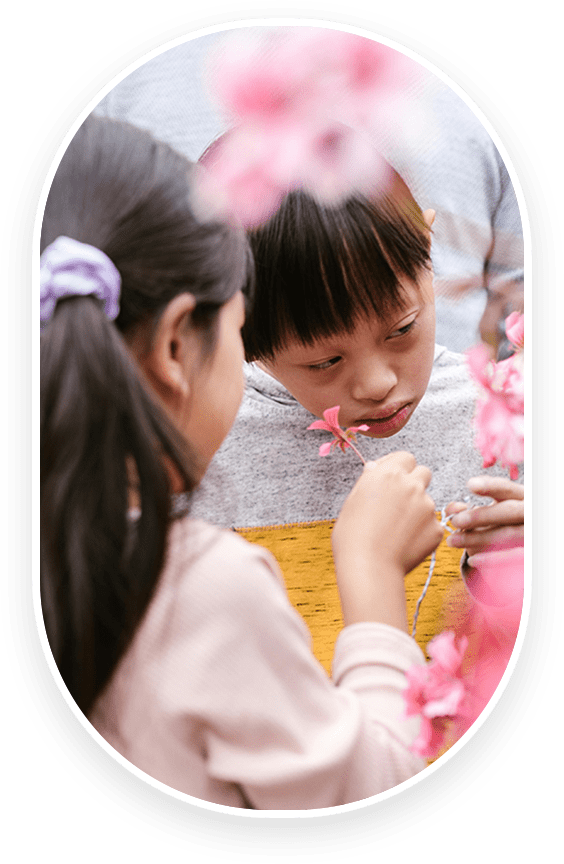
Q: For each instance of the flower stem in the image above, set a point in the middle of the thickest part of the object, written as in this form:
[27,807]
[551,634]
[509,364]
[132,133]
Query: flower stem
[358,453]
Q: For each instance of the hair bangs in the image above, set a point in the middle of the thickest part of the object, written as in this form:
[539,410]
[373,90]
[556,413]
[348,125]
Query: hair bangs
[319,270]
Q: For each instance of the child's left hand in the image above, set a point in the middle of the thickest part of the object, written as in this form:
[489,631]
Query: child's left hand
[499,522]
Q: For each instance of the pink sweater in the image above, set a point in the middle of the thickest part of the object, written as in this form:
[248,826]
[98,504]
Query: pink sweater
[220,697]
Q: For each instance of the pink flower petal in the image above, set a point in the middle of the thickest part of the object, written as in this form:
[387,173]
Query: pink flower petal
[331,416]
[447,699]
[443,650]
[362,428]
[342,438]
[498,422]
[515,329]
[417,678]
[320,424]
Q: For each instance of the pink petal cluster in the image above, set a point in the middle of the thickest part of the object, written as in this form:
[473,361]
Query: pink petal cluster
[468,659]
[499,423]
[343,437]
[293,97]
[490,619]
[436,692]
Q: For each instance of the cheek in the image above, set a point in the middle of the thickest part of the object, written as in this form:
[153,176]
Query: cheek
[419,368]
[317,398]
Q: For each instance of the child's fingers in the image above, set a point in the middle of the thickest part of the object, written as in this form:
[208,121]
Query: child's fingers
[397,459]
[401,462]
[423,473]
[509,512]
[499,488]
[455,507]
[479,541]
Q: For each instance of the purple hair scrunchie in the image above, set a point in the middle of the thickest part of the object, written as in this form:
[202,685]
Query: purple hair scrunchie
[69,268]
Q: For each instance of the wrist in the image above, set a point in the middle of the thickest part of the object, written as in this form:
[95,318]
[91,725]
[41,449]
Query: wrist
[372,591]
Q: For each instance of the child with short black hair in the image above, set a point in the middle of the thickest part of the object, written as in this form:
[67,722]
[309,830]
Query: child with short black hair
[344,315]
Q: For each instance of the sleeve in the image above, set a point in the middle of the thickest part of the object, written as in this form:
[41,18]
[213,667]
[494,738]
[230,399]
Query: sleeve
[504,267]
[273,722]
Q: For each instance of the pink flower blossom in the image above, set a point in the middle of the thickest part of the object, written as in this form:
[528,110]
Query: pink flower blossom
[436,692]
[469,659]
[343,438]
[499,423]
[499,434]
[236,180]
[294,95]
[515,329]
[490,616]
[496,589]
[305,72]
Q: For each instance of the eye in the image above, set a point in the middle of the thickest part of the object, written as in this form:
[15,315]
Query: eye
[403,331]
[326,364]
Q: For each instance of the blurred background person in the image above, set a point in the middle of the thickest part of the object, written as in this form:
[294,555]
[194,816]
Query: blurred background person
[448,159]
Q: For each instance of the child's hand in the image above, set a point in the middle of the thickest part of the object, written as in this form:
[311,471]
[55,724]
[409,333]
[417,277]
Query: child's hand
[499,522]
[386,527]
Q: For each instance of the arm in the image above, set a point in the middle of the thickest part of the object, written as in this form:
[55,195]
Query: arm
[272,722]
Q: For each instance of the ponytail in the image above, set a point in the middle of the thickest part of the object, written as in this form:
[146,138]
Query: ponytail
[98,426]
[103,430]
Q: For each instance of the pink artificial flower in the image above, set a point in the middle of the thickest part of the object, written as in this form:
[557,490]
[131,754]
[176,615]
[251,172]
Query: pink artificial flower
[499,422]
[290,94]
[237,179]
[515,329]
[496,589]
[487,615]
[338,160]
[343,438]
[259,79]
[304,71]
[436,692]
[499,434]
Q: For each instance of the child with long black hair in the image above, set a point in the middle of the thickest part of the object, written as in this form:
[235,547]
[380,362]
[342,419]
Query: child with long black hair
[175,638]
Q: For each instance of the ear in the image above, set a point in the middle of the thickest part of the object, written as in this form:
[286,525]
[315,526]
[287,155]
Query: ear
[169,361]
[429,217]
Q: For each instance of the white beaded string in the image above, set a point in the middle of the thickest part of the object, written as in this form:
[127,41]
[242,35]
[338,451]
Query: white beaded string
[444,523]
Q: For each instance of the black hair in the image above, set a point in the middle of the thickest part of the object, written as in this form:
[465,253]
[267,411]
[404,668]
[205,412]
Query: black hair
[319,268]
[102,427]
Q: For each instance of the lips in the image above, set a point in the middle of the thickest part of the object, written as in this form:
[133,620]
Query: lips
[389,420]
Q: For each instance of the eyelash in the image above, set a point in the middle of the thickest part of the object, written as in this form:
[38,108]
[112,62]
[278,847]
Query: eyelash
[327,364]
[403,331]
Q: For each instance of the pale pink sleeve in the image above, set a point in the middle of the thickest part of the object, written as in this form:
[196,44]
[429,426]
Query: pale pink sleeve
[272,721]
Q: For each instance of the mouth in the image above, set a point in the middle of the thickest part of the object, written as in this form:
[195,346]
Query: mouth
[390,422]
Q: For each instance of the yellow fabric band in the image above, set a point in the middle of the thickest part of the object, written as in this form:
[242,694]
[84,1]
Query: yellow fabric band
[303,552]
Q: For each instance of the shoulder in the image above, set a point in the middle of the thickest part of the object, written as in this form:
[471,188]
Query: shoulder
[212,565]
[202,545]
[219,589]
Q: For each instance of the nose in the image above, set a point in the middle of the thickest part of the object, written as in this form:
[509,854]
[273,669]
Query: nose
[373,380]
